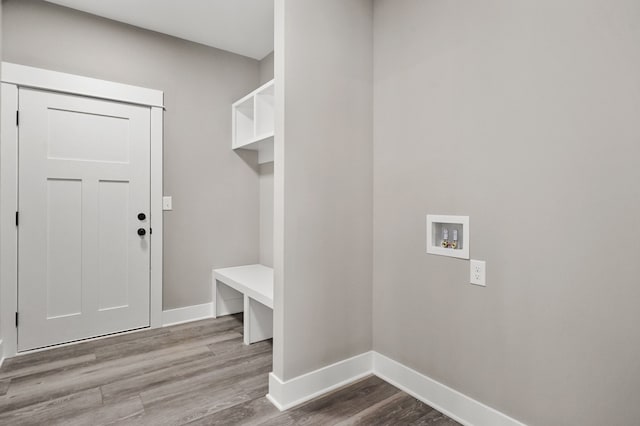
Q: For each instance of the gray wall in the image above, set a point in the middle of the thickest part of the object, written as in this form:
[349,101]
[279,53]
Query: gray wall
[215,219]
[524,116]
[1,337]
[266,68]
[266,183]
[266,214]
[323,183]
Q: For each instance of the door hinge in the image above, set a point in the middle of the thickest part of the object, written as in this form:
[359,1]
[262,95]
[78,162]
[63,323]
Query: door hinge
[17,218]
[150,231]
[17,118]
[16,319]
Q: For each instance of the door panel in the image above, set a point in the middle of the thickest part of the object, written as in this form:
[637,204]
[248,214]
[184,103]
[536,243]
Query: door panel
[84,175]
[113,244]
[90,137]
[64,247]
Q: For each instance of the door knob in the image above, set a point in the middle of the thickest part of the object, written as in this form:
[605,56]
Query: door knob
[141,232]
[142,216]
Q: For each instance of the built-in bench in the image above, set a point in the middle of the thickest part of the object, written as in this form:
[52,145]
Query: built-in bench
[247,289]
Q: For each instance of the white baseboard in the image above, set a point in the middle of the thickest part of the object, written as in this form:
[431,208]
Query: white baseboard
[460,407]
[187,314]
[287,394]
[454,404]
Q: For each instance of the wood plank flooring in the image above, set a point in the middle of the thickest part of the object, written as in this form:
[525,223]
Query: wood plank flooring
[198,373]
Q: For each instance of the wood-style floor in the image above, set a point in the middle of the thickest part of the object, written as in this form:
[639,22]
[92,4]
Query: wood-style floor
[198,373]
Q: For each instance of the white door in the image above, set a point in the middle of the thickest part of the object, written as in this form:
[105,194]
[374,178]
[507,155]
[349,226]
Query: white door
[84,186]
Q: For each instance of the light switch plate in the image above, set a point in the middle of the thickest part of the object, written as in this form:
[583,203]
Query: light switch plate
[478,272]
[167,203]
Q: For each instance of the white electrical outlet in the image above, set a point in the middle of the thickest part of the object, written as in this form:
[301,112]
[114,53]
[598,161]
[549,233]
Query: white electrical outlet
[167,203]
[478,271]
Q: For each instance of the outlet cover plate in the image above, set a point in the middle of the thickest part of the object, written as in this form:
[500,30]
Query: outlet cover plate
[167,203]
[478,272]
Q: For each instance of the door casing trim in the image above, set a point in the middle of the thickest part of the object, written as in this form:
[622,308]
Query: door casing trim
[54,81]
[16,76]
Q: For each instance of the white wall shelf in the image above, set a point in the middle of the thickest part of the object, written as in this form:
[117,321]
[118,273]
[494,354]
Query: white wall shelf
[448,235]
[253,122]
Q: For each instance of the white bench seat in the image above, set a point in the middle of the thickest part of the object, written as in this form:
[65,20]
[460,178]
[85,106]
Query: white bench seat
[247,289]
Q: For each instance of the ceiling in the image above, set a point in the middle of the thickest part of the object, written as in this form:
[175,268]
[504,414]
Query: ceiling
[240,26]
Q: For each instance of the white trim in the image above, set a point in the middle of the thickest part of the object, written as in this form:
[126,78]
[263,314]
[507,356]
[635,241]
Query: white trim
[14,76]
[454,404]
[287,394]
[278,188]
[24,76]
[156,218]
[8,208]
[462,408]
[187,314]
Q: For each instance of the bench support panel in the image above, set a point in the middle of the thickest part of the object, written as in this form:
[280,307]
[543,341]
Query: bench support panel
[226,301]
[258,321]
[258,318]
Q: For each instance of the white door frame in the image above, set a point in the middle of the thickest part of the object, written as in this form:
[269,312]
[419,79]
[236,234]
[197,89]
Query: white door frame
[14,76]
